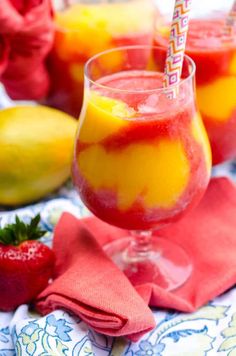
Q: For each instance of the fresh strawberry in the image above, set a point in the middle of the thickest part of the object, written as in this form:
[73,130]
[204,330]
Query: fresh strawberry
[26,265]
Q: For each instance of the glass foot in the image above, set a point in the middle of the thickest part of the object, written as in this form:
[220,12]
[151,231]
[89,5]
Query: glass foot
[166,264]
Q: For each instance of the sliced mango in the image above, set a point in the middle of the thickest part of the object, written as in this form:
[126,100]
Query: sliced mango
[217,100]
[102,117]
[200,135]
[154,174]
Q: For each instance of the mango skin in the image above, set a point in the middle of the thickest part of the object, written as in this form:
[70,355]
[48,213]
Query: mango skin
[36,145]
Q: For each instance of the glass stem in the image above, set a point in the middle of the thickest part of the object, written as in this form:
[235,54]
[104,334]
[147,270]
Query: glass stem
[141,245]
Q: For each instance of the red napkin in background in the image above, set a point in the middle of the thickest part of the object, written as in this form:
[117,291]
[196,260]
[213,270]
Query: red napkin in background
[26,36]
[89,284]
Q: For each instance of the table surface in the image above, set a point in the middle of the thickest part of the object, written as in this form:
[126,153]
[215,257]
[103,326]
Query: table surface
[210,330]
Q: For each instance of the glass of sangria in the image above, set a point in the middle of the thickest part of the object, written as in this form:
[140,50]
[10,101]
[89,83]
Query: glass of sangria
[213,49]
[84,28]
[141,160]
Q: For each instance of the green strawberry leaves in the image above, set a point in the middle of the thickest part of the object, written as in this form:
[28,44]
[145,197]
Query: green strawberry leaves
[18,232]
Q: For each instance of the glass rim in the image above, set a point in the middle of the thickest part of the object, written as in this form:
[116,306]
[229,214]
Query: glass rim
[224,40]
[122,48]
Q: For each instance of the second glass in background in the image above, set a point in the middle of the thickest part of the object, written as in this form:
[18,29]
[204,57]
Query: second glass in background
[214,54]
[85,28]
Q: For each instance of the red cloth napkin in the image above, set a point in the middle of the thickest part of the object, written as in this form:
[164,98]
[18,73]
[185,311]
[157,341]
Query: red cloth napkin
[26,36]
[90,285]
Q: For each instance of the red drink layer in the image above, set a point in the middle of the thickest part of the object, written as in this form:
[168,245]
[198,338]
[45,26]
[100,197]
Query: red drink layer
[140,158]
[215,57]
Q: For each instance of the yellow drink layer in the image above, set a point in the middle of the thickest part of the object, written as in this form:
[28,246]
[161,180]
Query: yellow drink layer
[155,174]
[232,69]
[199,133]
[104,116]
[217,100]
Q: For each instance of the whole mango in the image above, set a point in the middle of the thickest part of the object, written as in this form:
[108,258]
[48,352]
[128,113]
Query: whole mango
[35,152]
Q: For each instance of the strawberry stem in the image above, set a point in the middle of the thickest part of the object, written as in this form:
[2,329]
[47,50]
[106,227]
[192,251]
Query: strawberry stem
[18,232]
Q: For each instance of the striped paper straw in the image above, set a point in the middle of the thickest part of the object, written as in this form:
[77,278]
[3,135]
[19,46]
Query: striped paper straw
[176,46]
[230,21]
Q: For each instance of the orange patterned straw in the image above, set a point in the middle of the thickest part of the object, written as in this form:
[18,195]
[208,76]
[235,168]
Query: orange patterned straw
[176,46]
[230,21]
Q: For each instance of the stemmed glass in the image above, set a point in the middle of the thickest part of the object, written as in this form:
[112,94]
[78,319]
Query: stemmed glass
[141,159]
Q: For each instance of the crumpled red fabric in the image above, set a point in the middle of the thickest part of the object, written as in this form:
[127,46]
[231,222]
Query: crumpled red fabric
[26,37]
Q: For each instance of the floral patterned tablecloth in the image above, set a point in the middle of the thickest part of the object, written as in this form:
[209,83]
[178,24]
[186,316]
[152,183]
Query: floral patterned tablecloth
[209,331]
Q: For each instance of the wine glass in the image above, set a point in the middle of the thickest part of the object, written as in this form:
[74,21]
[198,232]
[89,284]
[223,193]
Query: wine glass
[141,159]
